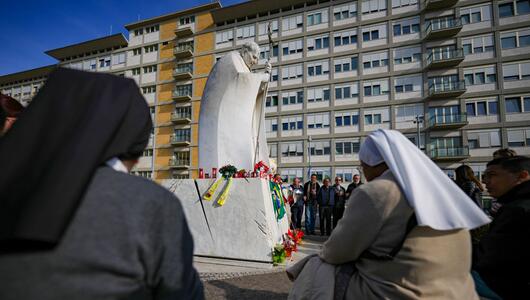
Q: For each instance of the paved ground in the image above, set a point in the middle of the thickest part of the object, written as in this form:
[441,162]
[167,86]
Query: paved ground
[243,280]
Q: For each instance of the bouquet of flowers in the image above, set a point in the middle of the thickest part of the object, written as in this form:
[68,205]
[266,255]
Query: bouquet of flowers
[278,255]
[296,236]
[227,172]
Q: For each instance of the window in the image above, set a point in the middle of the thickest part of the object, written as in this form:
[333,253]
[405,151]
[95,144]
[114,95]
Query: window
[152,29]
[407,55]
[273,150]
[317,43]
[271,100]
[292,72]
[517,71]
[263,27]
[346,119]
[321,173]
[408,26]
[182,135]
[319,148]
[375,60]
[478,76]
[288,175]
[292,47]
[470,15]
[183,90]
[265,52]
[144,174]
[138,32]
[150,69]
[480,108]
[408,113]
[518,104]
[346,173]
[118,58]
[148,153]
[346,91]
[224,36]
[346,64]
[345,38]
[271,125]
[274,75]
[137,51]
[135,71]
[293,97]
[292,149]
[315,18]
[484,138]
[149,89]
[104,62]
[315,121]
[403,3]
[519,137]
[151,48]
[187,20]
[514,8]
[515,39]
[344,12]
[373,6]
[293,22]
[407,84]
[292,123]
[245,32]
[347,147]
[375,88]
[318,94]
[478,44]
[373,33]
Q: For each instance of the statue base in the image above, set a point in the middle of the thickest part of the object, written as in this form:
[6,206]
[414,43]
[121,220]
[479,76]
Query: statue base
[244,228]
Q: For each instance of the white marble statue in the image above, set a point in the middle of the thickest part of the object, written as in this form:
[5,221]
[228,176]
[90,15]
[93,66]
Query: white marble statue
[232,116]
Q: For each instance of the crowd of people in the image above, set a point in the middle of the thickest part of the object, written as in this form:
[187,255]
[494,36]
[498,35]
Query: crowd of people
[75,225]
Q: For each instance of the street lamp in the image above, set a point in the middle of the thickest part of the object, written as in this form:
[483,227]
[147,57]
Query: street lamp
[418,121]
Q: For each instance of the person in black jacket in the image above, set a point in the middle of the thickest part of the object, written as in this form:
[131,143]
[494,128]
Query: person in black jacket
[356,182]
[311,189]
[502,258]
[340,200]
[326,203]
[467,181]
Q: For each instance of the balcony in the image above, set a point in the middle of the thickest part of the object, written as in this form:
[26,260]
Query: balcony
[179,117]
[183,73]
[180,140]
[443,28]
[451,153]
[184,50]
[438,4]
[181,96]
[444,59]
[183,32]
[446,89]
[447,122]
[176,163]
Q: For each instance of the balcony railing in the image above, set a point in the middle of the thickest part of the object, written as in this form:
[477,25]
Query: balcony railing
[444,58]
[447,89]
[180,139]
[180,116]
[447,121]
[183,32]
[183,50]
[438,4]
[441,28]
[179,163]
[183,72]
[181,95]
[451,153]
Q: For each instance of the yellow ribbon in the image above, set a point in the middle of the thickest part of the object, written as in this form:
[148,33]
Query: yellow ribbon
[211,191]
[224,195]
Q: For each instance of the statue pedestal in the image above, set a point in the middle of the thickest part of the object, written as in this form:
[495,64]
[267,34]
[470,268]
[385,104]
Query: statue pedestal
[244,228]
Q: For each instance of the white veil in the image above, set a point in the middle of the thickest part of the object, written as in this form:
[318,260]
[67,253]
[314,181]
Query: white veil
[437,201]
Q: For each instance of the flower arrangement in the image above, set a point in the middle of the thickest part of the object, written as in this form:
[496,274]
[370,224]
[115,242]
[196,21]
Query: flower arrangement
[278,254]
[228,171]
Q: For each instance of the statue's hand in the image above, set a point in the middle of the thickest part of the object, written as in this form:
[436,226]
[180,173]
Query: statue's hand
[268,68]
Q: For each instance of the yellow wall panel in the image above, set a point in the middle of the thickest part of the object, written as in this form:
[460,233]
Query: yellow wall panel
[164,113]
[203,64]
[204,42]
[196,109]
[165,91]
[204,21]
[198,86]
[164,135]
[167,29]
[166,51]
[195,157]
[162,175]
[166,71]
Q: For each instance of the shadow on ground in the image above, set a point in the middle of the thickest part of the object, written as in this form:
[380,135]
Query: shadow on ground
[274,286]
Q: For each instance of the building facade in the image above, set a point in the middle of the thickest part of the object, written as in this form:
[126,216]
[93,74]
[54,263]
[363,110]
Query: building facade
[453,76]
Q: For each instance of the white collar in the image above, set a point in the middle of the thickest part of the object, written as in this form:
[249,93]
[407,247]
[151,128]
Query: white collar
[117,165]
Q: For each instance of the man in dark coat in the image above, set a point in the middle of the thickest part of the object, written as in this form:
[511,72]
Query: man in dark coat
[340,200]
[296,191]
[356,182]
[326,203]
[311,189]
[73,223]
[502,257]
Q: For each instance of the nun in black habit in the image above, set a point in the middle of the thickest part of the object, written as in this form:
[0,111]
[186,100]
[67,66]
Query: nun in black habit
[73,223]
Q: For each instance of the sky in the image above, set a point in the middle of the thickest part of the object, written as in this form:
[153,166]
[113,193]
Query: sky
[31,27]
